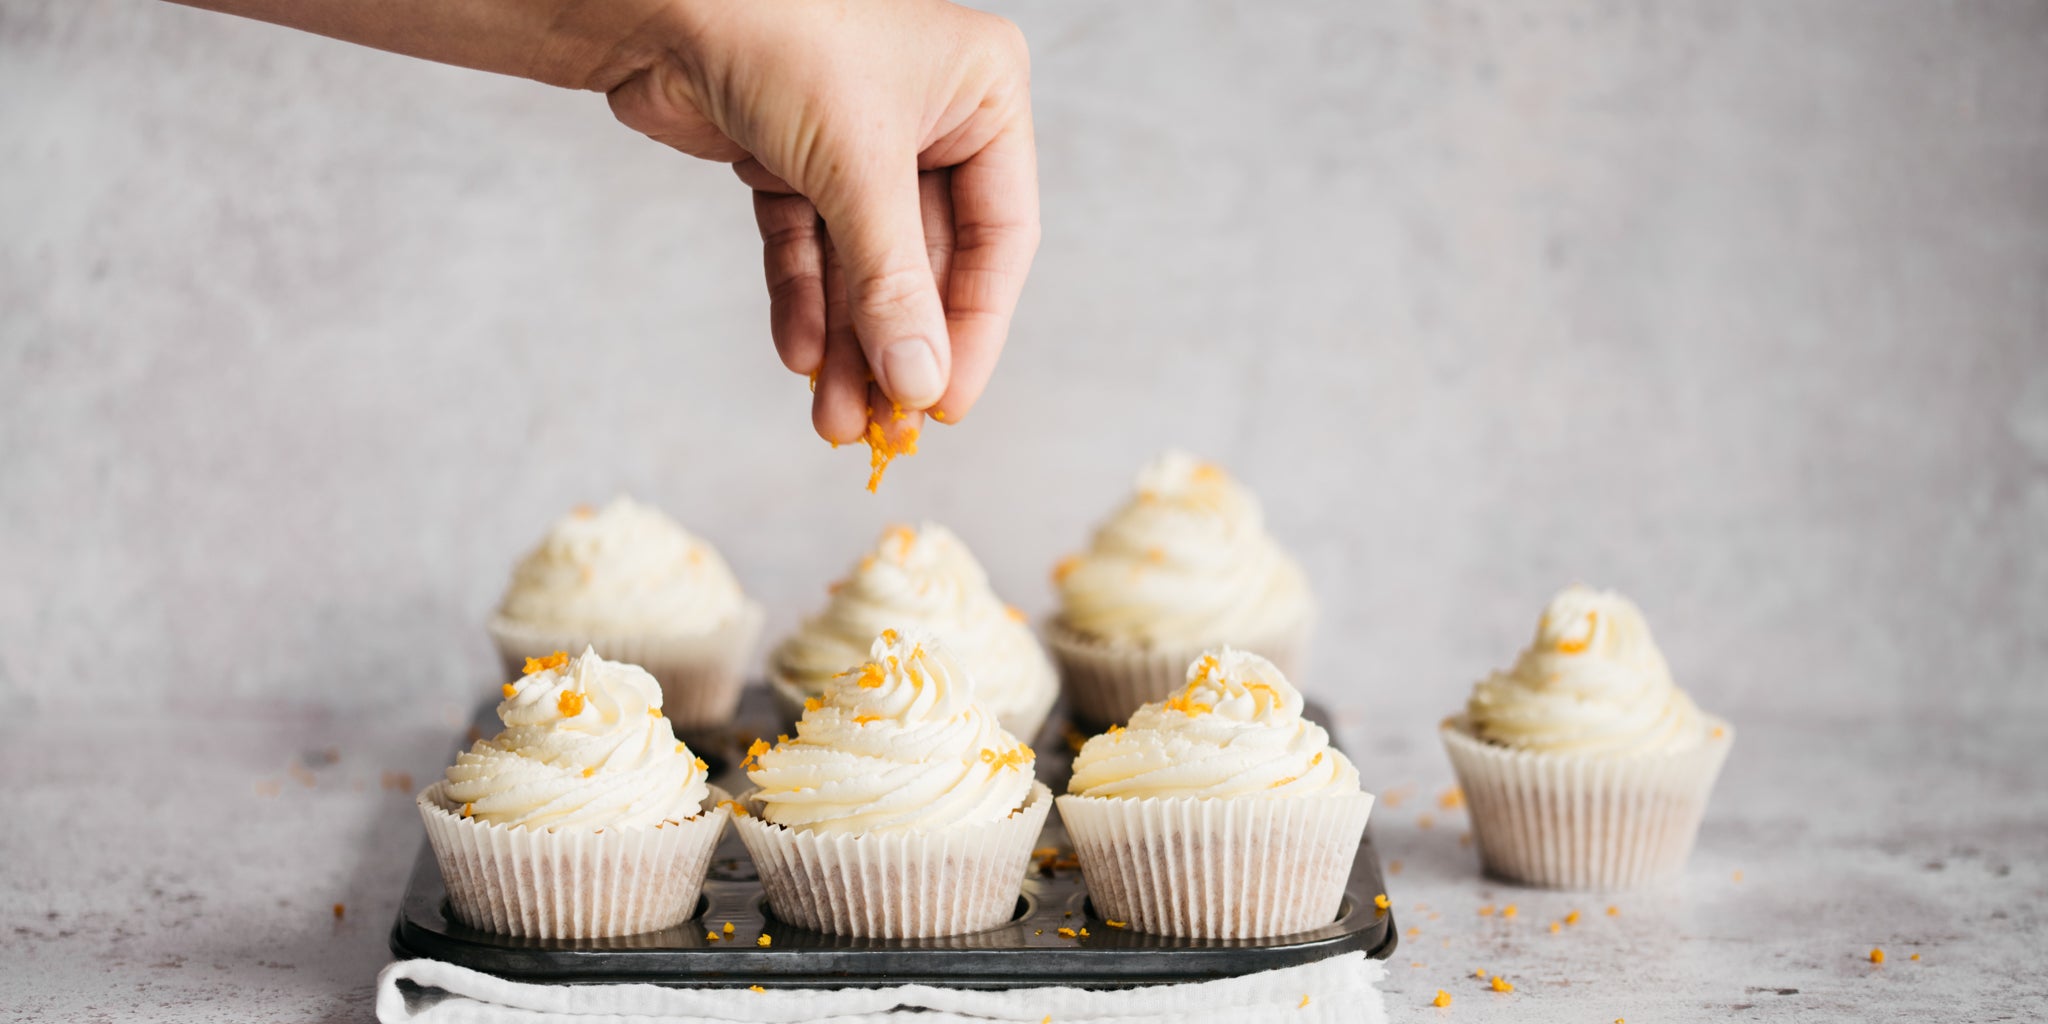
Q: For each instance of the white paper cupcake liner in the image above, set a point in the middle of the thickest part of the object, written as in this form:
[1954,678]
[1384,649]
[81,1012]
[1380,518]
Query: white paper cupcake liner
[1021,722]
[700,673]
[571,883]
[1217,868]
[1572,821]
[897,885]
[1106,682]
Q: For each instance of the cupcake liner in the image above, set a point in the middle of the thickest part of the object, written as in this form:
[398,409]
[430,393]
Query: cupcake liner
[1217,868]
[1023,723]
[572,883]
[1571,821]
[1105,682]
[700,673]
[897,885]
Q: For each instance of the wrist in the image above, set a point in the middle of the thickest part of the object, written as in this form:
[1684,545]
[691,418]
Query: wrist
[593,45]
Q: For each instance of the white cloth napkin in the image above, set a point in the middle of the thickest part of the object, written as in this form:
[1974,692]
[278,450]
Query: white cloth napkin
[1342,988]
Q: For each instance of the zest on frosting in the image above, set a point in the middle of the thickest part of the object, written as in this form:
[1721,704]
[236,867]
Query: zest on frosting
[896,744]
[1235,730]
[1591,682]
[584,746]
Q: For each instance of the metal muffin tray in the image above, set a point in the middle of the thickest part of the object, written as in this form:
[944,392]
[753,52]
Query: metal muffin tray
[1030,950]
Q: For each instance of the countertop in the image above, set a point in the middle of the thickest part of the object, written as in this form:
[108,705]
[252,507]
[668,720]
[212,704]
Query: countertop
[244,862]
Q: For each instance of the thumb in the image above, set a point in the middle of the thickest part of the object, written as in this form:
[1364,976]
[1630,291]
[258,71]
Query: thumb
[876,226]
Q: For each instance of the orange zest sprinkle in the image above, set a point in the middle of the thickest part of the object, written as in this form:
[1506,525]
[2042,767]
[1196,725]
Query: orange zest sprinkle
[1613,911]
[680,748]
[583,511]
[728,928]
[510,691]
[871,676]
[1393,867]
[654,712]
[1443,998]
[1719,732]
[895,410]
[865,719]
[1737,876]
[1304,1002]
[702,765]
[1185,703]
[571,703]
[1283,782]
[1876,956]
[1452,799]
[890,636]
[555,660]
[1501,984]
[881,451]
[813,375]
[1424,821]
[590,771]
[1579,646]
[342,908]
[1125,924]
[1381,901]
[754,752]
[1068,933]
[1486,911]
[1508,911]
[1479,972]
[1572,918]
[1065,567]
[937,414]
[468,810]
[710,936]
[1113,730]
[1555,927]
[755,988]
[765,940]
[1915,956]
[813,703]
[1015,613]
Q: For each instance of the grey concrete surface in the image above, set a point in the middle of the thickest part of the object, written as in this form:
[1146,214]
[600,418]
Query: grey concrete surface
[1739,307]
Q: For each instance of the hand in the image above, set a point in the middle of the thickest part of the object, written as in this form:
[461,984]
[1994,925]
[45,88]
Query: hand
[890,147]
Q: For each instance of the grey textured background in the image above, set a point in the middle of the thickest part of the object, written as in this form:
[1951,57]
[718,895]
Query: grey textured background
[1741,308]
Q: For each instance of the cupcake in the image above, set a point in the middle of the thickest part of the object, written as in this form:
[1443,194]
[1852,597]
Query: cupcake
[902,809]
[630,582]
[1584,765]
[1219,812]
[922,579]
[584,819]
[1184,566]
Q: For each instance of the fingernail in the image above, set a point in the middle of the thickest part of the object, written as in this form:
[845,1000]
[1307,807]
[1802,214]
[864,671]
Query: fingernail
[910,373]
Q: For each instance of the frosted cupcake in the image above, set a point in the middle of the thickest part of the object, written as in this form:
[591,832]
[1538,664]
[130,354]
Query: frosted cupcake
[902,809]
[585,818]
[1584,765]
[1220,812]
[632,583]
[923,579]
[1185,565]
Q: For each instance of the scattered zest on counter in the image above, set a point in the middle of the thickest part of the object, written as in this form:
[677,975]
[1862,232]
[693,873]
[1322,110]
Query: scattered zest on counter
[1877,956]
[1572,918]
[1508,911]
[1915,956]
[765,940]
[1556,927]
[1068,933]
[1304,1002]
[1613,911]
[727,929]
[1500,984]
[340,909]
[755,988]
[1486,911]
[1443,998]
[1738,876]
[1393,867]
[710,936]
[1381,901]
[1126,924]
[1452,799]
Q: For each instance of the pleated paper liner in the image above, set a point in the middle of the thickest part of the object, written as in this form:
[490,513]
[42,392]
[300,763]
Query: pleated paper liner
[1575,821]
[1105,682]
[1022,722]
[570,883]
[897,885]
[701,674]
[1217,868]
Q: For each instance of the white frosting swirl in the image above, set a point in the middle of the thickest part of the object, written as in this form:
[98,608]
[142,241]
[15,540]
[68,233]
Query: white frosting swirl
[895,745]
[1591,682]
[625,568]
[584,746]
[923,579]
[1186,561]
[1234,731]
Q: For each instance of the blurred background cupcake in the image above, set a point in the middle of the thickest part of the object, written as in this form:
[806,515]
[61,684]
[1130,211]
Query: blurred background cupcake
[635,585]
[1220,812]
[585,818]
[901,809]
[1185,565]
[921,579]
[1585,766]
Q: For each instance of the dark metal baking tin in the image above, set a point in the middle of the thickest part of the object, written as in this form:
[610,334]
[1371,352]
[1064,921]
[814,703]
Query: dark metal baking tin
[1027,951]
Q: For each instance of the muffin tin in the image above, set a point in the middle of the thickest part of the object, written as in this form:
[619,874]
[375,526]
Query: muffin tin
[1030,950]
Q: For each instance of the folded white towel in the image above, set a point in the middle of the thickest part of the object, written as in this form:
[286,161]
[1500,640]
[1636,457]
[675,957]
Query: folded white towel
[1342,988]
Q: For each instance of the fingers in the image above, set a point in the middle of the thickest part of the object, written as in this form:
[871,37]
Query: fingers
[935,202]
[877,228]
[795,266]
[839,407]
[995,236]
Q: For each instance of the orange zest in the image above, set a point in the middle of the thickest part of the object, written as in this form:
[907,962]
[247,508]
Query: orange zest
[813,703]
[754,752]
[552,661]
[881,451]
[510,691]
[1443,998]
[1501,984]
[1579,646]
[1065,568]
[570,703]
